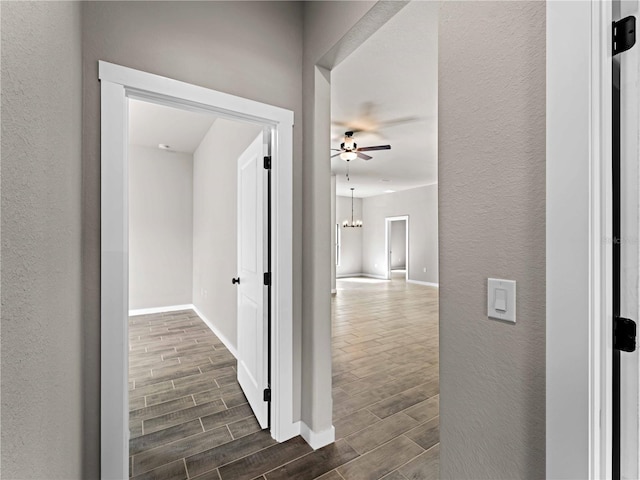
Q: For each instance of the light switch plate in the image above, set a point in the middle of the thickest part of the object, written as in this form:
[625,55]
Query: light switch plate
[501,299]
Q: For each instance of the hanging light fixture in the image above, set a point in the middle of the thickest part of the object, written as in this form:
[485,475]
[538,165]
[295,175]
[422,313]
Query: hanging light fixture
[352,224]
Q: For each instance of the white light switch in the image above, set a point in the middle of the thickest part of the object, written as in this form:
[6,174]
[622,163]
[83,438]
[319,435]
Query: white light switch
[501,299]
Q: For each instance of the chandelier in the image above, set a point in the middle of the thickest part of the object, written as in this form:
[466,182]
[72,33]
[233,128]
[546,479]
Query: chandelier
[352,224]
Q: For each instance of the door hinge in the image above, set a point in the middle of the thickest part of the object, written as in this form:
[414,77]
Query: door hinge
[624,34]
[267,163]
[267,279]
[624,334]
[266,395]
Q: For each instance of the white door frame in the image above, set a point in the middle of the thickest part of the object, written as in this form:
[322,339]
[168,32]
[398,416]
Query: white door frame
[578,240]
[387,242]
[118,84]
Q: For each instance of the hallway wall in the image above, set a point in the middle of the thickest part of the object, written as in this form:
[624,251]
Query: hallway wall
[41,348]
[398,244]
[492,224]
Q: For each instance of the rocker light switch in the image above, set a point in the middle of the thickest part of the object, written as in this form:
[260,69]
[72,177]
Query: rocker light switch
[501,299]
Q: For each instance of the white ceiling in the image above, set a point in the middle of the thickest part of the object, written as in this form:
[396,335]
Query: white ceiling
[151,124]
[393,75]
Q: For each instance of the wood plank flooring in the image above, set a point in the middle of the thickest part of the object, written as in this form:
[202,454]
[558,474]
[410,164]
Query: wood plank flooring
[190,420]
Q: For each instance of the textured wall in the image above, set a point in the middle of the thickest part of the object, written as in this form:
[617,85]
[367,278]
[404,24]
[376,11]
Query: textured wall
[215,231]
[421,204]
[249,49]
[492,224]
[160,227]
[350,238]
[41,309]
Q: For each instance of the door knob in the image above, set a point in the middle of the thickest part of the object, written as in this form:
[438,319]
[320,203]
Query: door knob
[235,280]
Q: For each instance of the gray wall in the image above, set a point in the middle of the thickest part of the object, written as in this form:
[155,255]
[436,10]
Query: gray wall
[398,244]
[250,49]
[421,204]
[492,224]
[215,191]
[160,227]
[351,238]
[41,342]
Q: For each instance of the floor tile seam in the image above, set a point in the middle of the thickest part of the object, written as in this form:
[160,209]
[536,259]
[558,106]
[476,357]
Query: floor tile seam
[169,444]
[232,461]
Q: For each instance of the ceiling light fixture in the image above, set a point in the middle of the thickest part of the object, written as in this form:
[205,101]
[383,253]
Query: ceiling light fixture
[389,191]
[348,156]
[352,224]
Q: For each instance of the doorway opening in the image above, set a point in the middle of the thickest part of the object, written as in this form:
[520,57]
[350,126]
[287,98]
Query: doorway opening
[397,246]
[121,86]
[385,307]
[198,362]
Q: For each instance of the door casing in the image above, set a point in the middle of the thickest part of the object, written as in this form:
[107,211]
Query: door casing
[118,84]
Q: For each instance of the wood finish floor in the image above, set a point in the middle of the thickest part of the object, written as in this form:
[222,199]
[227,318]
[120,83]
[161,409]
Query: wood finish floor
[190,420]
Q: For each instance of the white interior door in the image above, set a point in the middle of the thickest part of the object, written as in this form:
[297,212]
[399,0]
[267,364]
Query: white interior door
[252,322]
[629,247]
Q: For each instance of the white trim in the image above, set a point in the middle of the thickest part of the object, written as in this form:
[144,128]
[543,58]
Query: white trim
[578,249]
[600,254]
[334,291]
[118,84]
[317,439]
[216,332]
[150,311]
[427,284]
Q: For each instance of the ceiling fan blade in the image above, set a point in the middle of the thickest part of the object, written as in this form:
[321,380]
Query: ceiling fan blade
[332,156]
[363,156]
[371,149]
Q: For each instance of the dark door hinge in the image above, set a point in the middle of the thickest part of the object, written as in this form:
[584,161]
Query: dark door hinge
[624,34]
[624,334]
[267,163]
[266,395]
[267,279]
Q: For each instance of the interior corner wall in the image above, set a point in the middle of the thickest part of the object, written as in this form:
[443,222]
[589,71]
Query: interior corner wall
[160,227]
[249,49]
[492,224]
[333,234]
[350,238]
[42,323]
[215,230]
[421,205]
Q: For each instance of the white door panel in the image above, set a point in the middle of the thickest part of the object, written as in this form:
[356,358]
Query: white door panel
[252,362]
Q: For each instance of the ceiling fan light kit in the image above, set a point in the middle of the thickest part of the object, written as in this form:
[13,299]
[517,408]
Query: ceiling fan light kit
[352,223]
[349,149]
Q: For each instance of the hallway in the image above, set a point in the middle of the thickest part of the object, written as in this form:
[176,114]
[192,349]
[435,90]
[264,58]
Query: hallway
[189,418]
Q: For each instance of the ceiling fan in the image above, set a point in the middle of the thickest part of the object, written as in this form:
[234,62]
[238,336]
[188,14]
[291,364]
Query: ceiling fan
[349,150]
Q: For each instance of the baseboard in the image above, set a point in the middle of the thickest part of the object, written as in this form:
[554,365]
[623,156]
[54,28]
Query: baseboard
[317,439]
[368,275]
[348,275]
[371,275]
[427,284]
[216,332]
[149,311]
